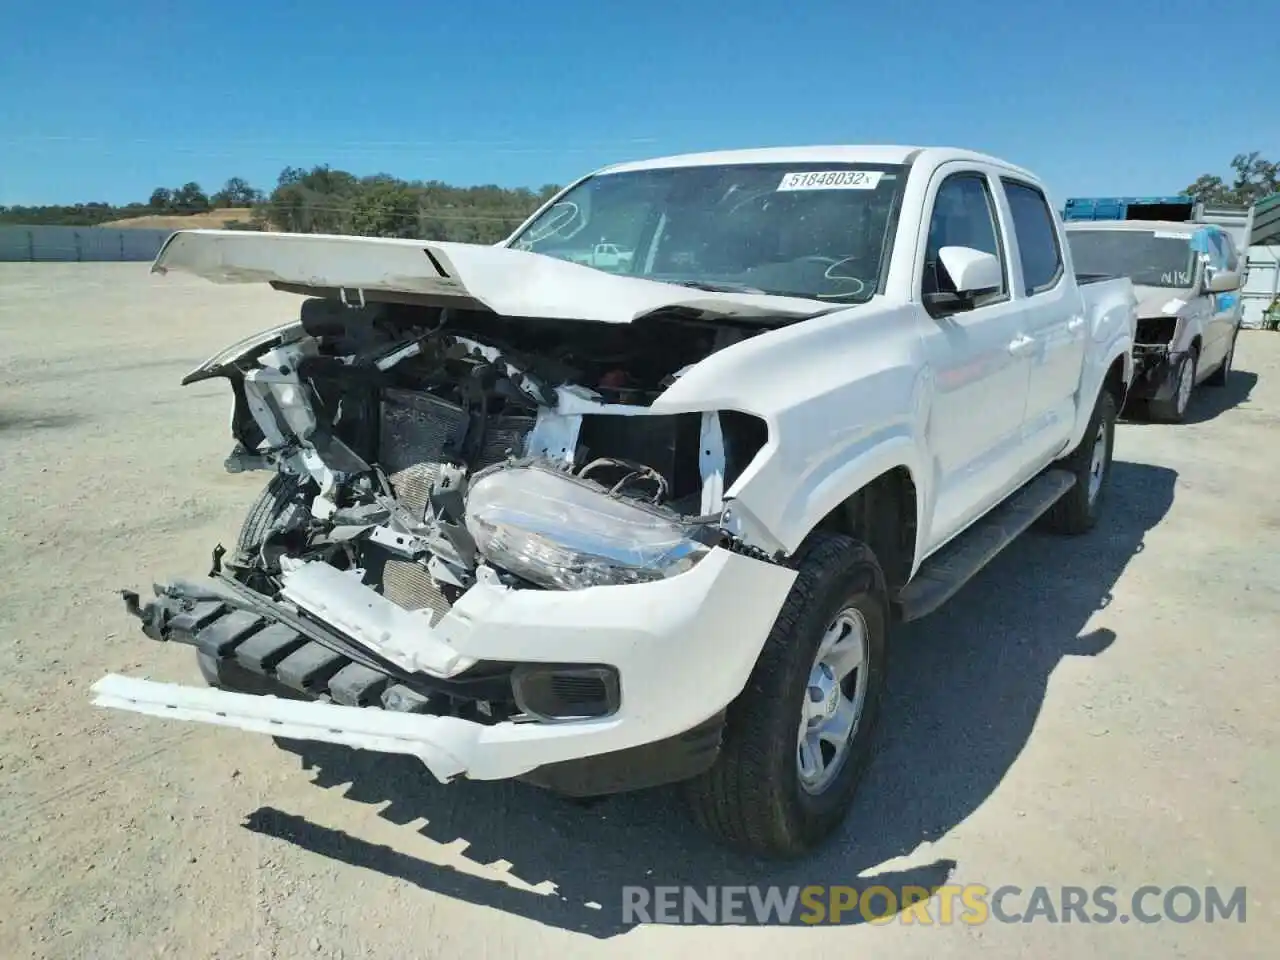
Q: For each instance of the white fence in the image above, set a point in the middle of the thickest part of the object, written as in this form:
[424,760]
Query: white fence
[79,243]
[1262,285]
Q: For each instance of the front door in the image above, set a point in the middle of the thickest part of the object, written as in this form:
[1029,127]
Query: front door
[977,360]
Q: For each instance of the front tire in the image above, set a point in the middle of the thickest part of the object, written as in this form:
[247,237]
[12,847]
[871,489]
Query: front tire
[276,497]
[799,737]
[1174,409]
[1077,510]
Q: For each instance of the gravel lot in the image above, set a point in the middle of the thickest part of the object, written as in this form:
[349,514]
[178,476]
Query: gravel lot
[1091,711]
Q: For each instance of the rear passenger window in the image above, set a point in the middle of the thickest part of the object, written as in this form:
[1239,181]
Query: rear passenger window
[1038,249]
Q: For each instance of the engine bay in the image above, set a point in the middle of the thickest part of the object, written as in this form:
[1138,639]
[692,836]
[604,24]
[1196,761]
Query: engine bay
[422,448]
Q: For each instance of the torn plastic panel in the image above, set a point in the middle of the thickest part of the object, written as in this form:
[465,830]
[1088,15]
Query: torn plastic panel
[243,352]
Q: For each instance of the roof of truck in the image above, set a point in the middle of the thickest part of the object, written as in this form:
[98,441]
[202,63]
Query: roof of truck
[836,153]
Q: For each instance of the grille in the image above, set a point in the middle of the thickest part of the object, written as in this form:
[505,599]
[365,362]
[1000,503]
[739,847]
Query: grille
[566,690]
[578,690]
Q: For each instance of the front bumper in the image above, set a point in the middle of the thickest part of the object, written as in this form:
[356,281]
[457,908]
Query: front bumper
[1154,371]
[682,649]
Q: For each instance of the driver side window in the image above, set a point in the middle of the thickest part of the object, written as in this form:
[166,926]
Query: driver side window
[963,216]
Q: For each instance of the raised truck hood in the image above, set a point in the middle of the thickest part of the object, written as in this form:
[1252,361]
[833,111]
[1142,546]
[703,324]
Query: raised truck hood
[513,283]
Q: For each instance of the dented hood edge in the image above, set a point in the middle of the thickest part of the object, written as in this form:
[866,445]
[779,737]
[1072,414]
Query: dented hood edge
[509,282]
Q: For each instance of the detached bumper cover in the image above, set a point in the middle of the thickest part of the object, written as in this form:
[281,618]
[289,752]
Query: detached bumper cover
[440,742]
[683,649]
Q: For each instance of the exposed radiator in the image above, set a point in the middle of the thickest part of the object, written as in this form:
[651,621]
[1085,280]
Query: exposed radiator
[407,584]
[415,429]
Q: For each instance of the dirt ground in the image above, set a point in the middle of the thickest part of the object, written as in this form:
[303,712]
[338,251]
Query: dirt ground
[213,220]
[1099,710]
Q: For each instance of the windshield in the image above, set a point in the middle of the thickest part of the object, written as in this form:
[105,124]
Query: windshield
[816,230]
[1149,258]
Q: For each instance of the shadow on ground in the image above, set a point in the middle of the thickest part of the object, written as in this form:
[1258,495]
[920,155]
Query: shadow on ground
[966,686]
[21,422]
[1208,403]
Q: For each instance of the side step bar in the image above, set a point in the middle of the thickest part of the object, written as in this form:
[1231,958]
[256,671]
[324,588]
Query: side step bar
[943,574]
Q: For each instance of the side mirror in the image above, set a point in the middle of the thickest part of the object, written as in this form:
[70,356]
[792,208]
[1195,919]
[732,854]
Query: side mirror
[972,271]
[1224,281]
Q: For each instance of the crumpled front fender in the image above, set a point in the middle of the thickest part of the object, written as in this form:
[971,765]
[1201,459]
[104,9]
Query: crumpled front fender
[250,347]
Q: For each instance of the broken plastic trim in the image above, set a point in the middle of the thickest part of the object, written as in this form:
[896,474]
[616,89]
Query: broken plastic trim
[181,596]
[241,351]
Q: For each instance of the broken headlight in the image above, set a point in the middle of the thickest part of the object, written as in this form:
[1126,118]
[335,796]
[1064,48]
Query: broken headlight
[564,533]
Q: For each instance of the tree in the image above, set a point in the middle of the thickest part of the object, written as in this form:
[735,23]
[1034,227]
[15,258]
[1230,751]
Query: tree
[1255,178]
[325,200]
[386,208]
[189,198]
[236,192]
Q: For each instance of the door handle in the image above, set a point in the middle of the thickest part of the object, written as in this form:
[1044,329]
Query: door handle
[1021,344]
[1075,323]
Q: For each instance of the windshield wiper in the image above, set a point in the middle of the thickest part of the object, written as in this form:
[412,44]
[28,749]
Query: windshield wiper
[716,287]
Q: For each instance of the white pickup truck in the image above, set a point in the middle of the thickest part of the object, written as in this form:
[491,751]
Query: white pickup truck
[603,531]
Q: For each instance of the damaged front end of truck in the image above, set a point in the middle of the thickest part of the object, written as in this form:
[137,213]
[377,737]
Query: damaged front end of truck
[448,484]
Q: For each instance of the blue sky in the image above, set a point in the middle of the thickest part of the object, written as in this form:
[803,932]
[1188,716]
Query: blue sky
[105,101]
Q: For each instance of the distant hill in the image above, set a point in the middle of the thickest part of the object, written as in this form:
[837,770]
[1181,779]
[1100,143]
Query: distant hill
[318,200]
[212,220]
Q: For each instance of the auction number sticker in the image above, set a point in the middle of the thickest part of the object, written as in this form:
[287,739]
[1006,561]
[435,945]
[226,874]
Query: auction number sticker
[832,180]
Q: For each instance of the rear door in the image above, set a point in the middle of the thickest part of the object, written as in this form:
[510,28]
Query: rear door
[1053,318]
[977,371]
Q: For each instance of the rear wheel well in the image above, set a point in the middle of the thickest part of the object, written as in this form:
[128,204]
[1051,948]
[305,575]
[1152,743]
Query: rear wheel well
[883,516]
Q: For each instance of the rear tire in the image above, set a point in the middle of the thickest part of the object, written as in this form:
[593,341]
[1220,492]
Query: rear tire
[1077,510]
[760,795]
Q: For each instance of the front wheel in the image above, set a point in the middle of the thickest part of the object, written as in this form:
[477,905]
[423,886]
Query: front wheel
[280,494]
[798,738]
[1174,409]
